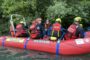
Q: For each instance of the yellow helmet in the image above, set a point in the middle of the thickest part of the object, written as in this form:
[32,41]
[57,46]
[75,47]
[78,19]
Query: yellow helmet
[77,19]
[58,20]
[22,22]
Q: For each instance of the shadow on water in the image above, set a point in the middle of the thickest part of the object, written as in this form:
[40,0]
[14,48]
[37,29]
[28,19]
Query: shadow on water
[20,54]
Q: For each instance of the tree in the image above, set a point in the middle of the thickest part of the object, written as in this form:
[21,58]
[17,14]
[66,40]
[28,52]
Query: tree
[63,9]
[24,7]
[59,9]
[67,10]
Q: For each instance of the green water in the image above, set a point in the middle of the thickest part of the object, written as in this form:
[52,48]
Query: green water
[20,54]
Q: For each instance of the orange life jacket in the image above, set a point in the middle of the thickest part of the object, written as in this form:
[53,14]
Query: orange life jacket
[56,28]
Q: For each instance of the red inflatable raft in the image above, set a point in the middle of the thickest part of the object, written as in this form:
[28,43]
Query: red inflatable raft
[68,47]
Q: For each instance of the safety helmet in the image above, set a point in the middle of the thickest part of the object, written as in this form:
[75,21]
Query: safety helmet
[22,22]
[58,20]
[77,19]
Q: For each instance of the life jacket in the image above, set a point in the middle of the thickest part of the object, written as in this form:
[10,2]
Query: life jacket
[34,34]
[71,34]
[72,29]
[33,31]
[20,30]
[56,30]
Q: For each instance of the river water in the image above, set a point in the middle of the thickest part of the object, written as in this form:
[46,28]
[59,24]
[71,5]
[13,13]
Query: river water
[7,53]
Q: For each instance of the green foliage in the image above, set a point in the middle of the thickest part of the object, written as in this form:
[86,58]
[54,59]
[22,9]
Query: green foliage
[59,9]
[13,6]
[51,9]
[4,29]
[62,9]
[26,7]
[42,6]
[68,9]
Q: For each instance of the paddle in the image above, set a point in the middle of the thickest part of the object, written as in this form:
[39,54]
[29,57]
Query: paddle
[11,22]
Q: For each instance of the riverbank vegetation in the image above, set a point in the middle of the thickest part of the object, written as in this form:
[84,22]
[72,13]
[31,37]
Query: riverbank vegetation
[47,9]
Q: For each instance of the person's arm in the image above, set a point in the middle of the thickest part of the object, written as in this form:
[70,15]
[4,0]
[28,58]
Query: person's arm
[63,31]
[82,33]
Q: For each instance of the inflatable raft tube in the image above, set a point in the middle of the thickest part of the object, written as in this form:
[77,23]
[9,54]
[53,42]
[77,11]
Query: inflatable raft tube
[68,47]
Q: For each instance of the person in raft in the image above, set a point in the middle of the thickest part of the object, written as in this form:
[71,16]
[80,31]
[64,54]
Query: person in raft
[33,31]
[21,30]
[38,29]
[56,32]
[47,25]
[75,30]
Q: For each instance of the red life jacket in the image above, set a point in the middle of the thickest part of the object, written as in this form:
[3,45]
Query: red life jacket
[20,30]
[33,31]
[34,34]
[71,32]
[56,28]
[72,28]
